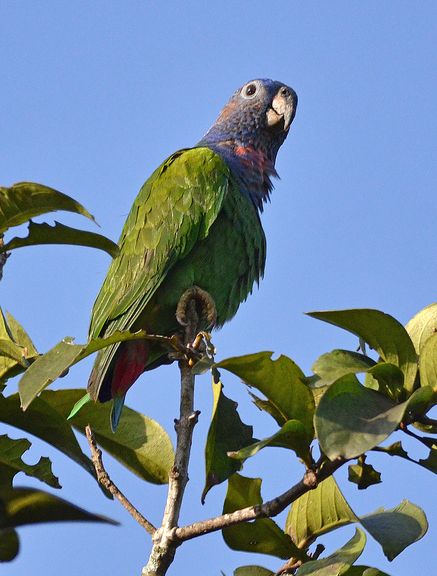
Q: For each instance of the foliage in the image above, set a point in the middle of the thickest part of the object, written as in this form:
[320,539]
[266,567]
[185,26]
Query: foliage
[351,404]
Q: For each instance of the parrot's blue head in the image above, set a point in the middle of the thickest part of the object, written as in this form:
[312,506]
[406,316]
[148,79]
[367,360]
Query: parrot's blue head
[249,132]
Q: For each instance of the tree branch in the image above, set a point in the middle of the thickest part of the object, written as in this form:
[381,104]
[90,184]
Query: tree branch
[266,510]
[104,479]
[164,545]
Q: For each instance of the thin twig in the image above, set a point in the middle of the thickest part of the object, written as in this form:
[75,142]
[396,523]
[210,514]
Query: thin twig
[106,482]
[266,510]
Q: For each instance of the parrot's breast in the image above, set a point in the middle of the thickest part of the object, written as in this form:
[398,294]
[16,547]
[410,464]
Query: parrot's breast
[226,264]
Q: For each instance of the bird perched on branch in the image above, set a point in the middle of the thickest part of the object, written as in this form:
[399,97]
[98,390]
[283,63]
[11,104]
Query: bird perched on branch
[195,223]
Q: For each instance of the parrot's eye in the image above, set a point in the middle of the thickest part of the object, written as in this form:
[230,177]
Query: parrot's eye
[284,92]
[249,91]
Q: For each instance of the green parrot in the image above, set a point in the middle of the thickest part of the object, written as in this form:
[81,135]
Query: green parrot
[195,223]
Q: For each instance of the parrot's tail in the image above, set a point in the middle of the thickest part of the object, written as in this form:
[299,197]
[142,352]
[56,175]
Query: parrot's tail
[125,366]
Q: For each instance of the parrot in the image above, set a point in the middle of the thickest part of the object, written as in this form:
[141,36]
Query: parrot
[194,224]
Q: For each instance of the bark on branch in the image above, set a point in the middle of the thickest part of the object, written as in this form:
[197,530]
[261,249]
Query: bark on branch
[164,545]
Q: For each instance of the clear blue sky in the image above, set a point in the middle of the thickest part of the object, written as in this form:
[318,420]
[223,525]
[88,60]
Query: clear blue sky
[94,95]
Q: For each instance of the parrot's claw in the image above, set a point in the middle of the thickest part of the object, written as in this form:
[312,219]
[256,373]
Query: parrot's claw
[204,307]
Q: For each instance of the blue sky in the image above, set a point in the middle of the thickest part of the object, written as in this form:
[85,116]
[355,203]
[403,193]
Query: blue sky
[96,94]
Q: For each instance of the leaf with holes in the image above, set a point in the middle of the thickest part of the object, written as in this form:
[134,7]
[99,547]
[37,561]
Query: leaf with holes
[60,234]
[283,384]
[11,463]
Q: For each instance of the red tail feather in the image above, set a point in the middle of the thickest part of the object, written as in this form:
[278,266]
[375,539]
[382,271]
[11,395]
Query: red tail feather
[130,362]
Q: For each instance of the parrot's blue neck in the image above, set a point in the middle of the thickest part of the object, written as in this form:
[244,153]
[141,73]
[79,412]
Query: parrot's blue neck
[250,167]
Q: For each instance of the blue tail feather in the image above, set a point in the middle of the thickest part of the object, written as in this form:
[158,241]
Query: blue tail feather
[117,407]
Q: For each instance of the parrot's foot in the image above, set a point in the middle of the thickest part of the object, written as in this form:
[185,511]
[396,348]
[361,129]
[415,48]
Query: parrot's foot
[201,303]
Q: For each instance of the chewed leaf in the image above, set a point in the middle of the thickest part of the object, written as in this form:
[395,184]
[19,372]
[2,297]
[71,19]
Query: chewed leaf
[44,422]
[283,384]
[226,432]
[11,452]
[61,234]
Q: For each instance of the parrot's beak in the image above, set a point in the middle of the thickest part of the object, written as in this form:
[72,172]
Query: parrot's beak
[281,113]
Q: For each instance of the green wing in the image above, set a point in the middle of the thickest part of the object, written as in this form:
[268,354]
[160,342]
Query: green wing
[173,210]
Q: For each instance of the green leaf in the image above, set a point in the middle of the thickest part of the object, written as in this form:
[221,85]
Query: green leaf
[46,369]
[12,351]
[11,452]
[253,571]
[26,200]
[364,571]
[61,234]
[20,336]
[17,350]
[363,475]
[397,528]
[351,419]
[332,365]
[226,433]
[422,326]
[9,545]
[292,435]
[140,443]
[43,421]
[317,512]
[387,379]
[382,332]
[420,402]
[283,384]
[339,562]
[428,363]
[264,535]
[20,506]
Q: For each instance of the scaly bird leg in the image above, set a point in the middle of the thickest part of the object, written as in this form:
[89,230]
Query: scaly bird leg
[204,307]
[199,303]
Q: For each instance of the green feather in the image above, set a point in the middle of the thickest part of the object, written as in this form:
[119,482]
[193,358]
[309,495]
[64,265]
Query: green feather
[189,225]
